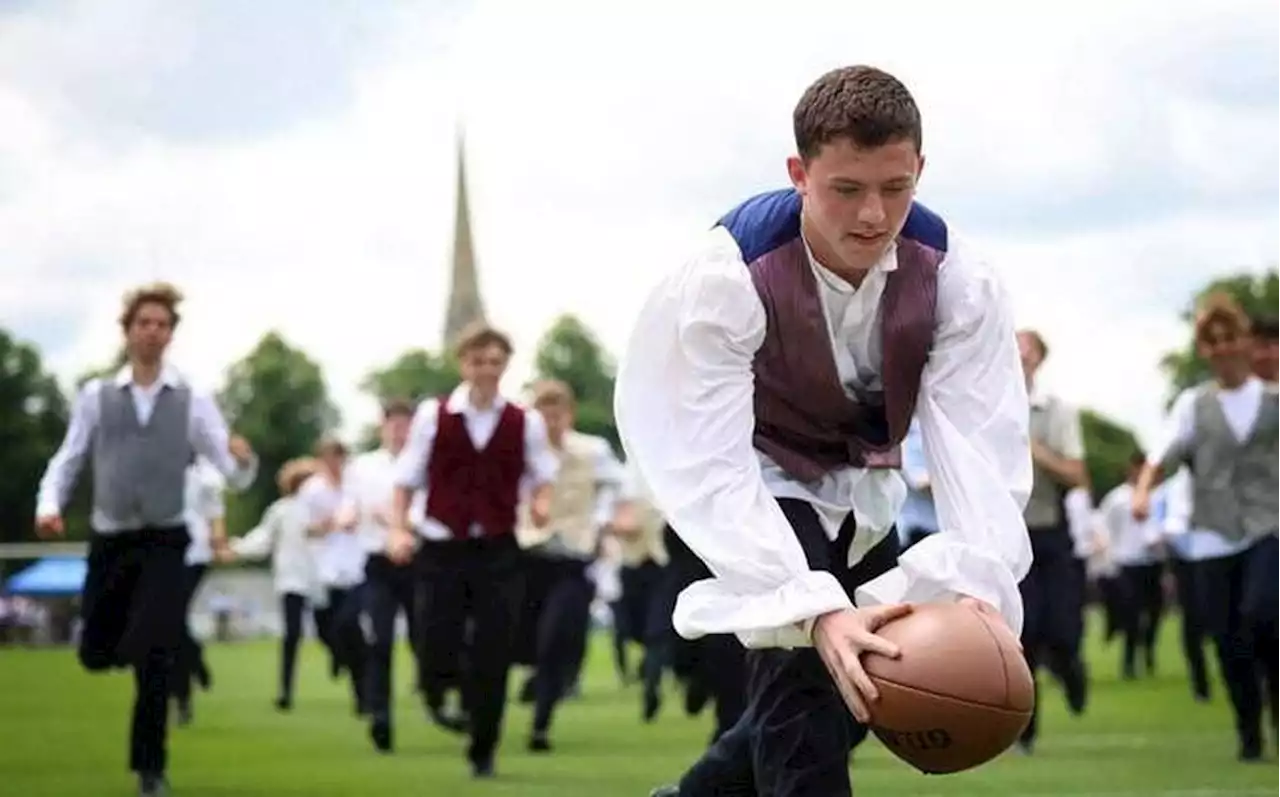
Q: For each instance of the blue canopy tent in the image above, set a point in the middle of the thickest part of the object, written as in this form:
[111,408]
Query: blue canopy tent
[55,576]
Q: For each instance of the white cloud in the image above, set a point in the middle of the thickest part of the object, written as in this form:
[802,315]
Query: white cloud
[1105,181]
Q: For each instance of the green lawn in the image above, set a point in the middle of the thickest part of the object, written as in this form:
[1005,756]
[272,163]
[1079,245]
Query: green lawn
[62,734]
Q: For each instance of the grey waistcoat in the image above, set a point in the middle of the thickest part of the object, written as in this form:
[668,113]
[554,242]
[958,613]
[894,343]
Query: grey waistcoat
[1044,506]
[1233,483]
[139,471]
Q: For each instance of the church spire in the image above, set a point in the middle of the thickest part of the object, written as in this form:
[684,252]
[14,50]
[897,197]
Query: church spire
[465,305]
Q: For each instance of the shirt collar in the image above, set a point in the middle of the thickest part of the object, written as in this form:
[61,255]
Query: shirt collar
[460,401]
[169,376]
[887,262]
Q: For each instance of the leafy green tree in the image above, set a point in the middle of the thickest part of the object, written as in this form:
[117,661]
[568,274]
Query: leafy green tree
[570,352]
[1107,448]
[276,398]
[33,420]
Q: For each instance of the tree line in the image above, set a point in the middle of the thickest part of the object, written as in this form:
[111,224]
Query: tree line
[277,398]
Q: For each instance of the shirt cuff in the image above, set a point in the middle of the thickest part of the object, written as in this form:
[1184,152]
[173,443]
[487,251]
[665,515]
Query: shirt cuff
[47,506]
[775,618]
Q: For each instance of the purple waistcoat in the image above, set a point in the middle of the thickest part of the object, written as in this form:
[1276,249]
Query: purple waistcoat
[805,421]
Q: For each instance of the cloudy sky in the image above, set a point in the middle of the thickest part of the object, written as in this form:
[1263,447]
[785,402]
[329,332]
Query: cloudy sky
[294,170]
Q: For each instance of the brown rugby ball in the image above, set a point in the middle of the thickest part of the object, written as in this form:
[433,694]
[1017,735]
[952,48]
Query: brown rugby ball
[958,696]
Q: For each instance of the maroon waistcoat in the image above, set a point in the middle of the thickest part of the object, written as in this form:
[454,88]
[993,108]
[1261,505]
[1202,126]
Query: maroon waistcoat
[466,486]
[805,421]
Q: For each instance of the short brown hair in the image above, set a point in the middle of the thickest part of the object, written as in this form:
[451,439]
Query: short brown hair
[480,335]
[1038,340]
[1220,309]
[293,473]
[164,294]
[1264,327]
[552,393]
[330,444]
[869,107]
[397,408]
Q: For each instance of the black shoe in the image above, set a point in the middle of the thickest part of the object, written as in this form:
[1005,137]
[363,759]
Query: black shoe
[1251,748]
[380,733]
[152,784]
[652,704]
[184,713]
[284,704]
[539,743]
[665,791]
[482,769]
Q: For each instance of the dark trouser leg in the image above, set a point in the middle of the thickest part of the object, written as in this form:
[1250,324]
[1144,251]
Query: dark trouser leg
[1259,606]
[794,738]
[1152,602]
[562,632]
[190,658]
[388,589]
[347,605]
[1130,618]
[658,635]
[1187,579]
[155,621]
[323,618]
[442,621]
[796,734]
[495,589]
[727,665]
[292,605]
[1051,626]
[1226,583]
[147,751]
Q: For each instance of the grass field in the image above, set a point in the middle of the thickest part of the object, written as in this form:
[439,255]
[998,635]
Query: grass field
[62,734]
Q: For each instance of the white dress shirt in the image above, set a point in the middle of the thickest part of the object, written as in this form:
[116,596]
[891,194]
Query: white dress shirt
[339,554]
[205,505]
[282,535]
[1130,541]
[209,437]
[541,463]
[1078,506]
[684,405]
[370,479]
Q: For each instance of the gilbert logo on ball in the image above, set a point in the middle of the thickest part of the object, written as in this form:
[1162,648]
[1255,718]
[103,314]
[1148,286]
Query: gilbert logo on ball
[933,739]
[958,696]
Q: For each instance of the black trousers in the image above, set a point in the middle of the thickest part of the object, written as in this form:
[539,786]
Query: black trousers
[389,590]
[562,637]
[1052,624]
[346,605]
[712,667]
[134,615]
[632,608]
[1240,607]
[1188,578]
[190,662]
[1141,603]
[292,605]
[796,733]
[476,580]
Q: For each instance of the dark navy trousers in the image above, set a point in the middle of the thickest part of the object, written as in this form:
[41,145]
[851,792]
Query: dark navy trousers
[795,736]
